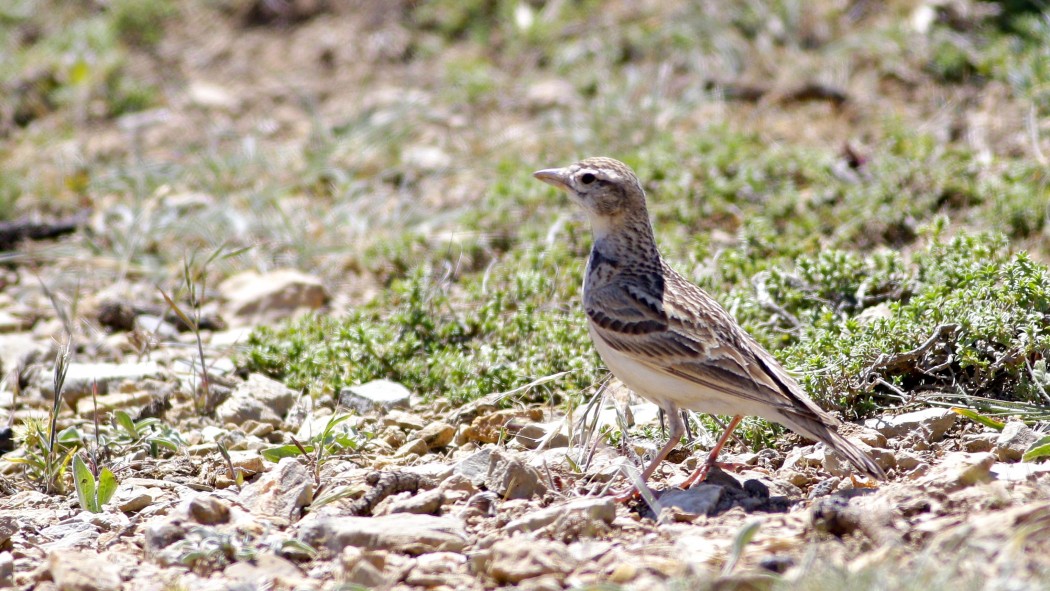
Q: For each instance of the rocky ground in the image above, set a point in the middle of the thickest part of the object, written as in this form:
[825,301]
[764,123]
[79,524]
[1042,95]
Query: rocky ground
[319,152]
[478,497]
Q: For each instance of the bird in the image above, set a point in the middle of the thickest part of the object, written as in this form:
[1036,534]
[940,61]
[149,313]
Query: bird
[668,340]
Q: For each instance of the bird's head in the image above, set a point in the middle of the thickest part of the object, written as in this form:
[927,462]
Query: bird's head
[607,189]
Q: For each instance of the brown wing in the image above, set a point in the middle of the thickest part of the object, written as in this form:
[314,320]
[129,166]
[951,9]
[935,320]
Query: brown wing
[684,332]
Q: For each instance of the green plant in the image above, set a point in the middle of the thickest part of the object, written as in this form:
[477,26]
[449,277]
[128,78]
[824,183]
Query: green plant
[92,494]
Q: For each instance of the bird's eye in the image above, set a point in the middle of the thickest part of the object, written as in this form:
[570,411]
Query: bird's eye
[587,178]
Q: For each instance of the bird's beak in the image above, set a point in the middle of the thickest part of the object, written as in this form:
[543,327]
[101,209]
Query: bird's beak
[559,177]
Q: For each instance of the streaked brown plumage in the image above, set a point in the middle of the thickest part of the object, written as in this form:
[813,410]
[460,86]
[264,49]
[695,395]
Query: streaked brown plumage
[668,340]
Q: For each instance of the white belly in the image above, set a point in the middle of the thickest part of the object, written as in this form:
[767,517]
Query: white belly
[665,390]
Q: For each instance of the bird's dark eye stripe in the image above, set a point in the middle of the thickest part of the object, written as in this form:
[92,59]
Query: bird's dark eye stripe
[587,178]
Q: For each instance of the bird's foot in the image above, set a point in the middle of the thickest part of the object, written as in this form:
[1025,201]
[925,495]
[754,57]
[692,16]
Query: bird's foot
[630,494]
[702,472]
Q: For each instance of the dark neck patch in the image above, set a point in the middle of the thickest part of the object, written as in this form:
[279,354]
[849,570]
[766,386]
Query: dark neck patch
[598,259]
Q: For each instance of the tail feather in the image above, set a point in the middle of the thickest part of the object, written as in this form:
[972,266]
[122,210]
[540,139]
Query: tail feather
[833,439]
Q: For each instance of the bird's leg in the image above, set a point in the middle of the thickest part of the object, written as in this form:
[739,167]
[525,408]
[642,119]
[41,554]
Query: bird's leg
[674,419]
[712,458]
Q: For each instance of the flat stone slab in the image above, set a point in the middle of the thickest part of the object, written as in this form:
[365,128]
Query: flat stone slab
[398,532]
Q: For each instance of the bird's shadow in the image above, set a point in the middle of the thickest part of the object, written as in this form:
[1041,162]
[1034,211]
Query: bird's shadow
[719,493]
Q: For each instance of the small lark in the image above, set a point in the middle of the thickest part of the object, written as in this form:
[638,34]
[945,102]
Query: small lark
[664,337]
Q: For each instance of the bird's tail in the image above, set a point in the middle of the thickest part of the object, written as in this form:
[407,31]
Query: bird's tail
[831,437]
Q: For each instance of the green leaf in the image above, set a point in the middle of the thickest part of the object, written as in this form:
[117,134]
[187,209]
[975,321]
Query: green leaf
[979,418]
[124,420]
[84,481]
[743,538]
[1038,450]
[107,485]
[274,454]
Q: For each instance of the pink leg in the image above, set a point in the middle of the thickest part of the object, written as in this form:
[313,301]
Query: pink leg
[677,429]
[701,473]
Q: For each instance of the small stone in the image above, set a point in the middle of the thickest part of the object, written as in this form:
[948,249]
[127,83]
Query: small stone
[1020,471]
[701,499]
[161,534]
[933,421]
[281,492]
[475,466]
[8,528]
[978,442]
[82,377]
[414,446]
[404,420]
[359,570]
[907,461]
[208,510]
[82,571]
[212,96]
[131,498]
[155,325]
[1014,440]
[959,470]
[377,395]
[7,570]
[265,571]
[511,478]
[437,434]
[533,434]
[399,532]
[428,502]
[259,399]
[601,509]
[70,535]
[517,559]
[251,296]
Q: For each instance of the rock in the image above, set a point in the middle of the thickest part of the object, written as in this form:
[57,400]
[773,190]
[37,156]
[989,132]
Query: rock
[437,434]
[70,535]
[131,498]
[399,532]
[532,435]
[1014,440]
[519,558]
[701,499]
[265,571]
[82,571]
[377,395]
[281,492]
[933,421]
[8,528]
[1020,471]
[600,509]
[907,461]
[414,446]
[130,402]
[7,570]
[424,503]
[250,296]
[260,399]
[212,96]
[475,466]
[155,325]
[208,510]
[959,470]
[426,158]
[511,478]
[16,347]
[359,568]
[404,420]
[977,442]
[161,534]
[81,377]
